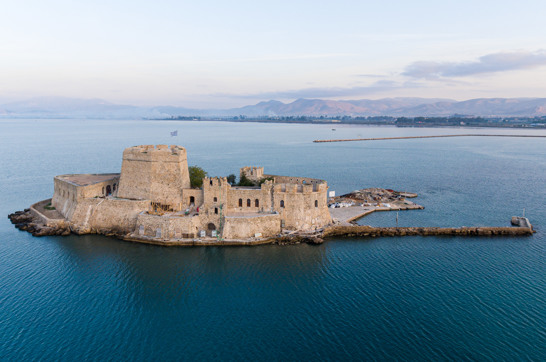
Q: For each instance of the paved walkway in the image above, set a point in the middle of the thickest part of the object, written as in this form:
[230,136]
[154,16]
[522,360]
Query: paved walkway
[347,214]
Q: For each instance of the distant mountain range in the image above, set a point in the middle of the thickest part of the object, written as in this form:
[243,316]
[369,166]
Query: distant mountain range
[59,107]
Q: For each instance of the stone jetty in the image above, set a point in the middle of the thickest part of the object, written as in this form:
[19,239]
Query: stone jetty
[436,136]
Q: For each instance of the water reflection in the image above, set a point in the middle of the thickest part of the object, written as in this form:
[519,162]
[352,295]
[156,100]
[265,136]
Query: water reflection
[147,272]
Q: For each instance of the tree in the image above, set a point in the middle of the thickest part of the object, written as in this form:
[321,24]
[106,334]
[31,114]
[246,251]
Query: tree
[244,181]
[232,179]
[197,174]
[264,179]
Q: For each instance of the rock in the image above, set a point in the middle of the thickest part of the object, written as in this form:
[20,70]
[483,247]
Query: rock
[314,241]
[24,220]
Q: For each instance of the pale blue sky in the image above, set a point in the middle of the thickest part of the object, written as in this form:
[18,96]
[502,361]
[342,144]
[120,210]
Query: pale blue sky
[218,54]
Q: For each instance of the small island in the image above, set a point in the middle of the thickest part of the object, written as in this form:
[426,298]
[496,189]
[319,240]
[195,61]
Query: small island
[152,201]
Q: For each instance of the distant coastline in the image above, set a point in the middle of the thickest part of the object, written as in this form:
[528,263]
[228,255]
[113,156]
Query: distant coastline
[413,122]
[401,112]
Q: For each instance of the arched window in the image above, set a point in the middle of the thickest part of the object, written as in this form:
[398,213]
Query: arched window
[216,210]
[108,190]
[282,203]
[240,202]
[211,182]
[256,203]
[316,203]
[247,202]
[215,199]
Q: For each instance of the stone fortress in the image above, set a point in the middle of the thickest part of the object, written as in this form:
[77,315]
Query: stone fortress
[152,200]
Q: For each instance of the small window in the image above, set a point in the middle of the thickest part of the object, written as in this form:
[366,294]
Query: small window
[211,182]
[256,203]
[215,199]
[240,202]
[216,210]
[316,203]
[247,202]
[282,203]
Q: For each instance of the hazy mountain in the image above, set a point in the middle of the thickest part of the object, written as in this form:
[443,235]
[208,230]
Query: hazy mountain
[62,107]
[483,107]
[400,107]
[59,107]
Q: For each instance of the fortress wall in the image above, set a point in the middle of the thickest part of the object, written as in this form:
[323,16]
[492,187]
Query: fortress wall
[65,196]
[156,173]
[55,222]
[100,189]
[296,180]
[106,215]
[215,193]
[187,195]
[167,227]
[245,194]
[175,227]
[304,209]
[253,173]
[210,219]
[246,227]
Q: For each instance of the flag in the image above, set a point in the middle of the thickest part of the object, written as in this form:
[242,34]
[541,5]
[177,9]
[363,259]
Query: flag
[174,133]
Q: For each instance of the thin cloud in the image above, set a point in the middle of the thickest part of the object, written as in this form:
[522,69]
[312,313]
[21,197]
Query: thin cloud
[377,87]
[370,75]
[277,58]
[490,63]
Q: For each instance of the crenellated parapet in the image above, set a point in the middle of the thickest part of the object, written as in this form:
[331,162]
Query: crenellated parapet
[155,153]
[300,188]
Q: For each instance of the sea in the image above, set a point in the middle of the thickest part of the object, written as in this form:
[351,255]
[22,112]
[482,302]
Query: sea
[415,298]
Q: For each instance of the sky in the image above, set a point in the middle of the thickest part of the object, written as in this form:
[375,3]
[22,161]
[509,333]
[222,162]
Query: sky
[216,54]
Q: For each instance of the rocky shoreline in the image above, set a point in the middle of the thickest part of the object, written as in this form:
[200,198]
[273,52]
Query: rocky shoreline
[26,221]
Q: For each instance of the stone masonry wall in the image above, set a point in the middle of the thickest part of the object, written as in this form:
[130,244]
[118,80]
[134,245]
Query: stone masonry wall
[187,195]
[237,227]
[66,194]
[106,215]
[156,173]
[253,173]
[302,210]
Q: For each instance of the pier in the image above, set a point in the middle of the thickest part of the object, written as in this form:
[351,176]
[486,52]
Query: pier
[346,215]
[436,136]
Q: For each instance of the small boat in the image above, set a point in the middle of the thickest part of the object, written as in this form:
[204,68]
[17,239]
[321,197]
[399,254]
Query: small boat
[333,129]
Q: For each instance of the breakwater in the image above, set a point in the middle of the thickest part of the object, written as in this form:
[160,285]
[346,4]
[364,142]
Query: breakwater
[436,136]
[364,230]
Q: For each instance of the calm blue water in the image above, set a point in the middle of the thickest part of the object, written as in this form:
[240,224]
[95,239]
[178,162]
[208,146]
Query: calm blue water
[97,298]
